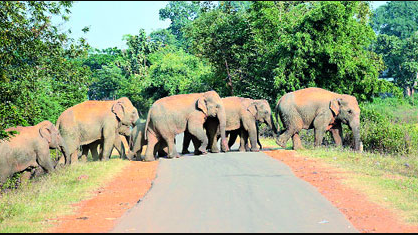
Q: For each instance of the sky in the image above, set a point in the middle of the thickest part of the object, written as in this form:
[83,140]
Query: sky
[110,20]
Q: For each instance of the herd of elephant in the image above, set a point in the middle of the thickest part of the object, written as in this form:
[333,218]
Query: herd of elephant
[203,117]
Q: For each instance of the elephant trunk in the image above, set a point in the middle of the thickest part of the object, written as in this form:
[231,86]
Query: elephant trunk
[271,124]
[355,127]
[222,128]
[63,149]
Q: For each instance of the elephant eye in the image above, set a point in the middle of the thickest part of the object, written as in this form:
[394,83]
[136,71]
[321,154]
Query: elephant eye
[350,111]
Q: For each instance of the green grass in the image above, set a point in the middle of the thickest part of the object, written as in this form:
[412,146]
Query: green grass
[28,208]
[391,181]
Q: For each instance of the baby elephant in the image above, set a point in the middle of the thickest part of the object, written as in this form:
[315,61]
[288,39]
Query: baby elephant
[29,148]
[137,142]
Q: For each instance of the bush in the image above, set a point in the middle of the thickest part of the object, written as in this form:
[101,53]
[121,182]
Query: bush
[390,126]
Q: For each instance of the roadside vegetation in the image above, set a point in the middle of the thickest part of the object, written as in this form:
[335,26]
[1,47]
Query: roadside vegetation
[32,206]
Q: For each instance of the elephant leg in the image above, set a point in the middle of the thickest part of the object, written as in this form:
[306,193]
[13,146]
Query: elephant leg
[297,143]
[93,150]
[107,146]
[337,134]
[252,133]
[44,160]
[232,138]
[212,135]
[149,153]
[74,157]
[186,142]
[196,129]
[196,144]
[120,147]
[243,141]
[169,139]
[320,123]
[84,153]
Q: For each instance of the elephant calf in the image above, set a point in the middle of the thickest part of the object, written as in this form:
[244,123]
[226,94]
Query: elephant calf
[137,142]
[321,110]
[29,148]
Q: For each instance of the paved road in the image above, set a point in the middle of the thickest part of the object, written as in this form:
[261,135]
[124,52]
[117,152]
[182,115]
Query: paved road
[231,192]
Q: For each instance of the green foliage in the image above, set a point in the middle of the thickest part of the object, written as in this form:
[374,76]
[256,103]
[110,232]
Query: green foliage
[390,126]
[180,13]
[37,64]
[396,25]
[396,18]
[269,48]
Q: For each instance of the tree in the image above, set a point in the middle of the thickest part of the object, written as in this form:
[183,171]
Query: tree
[37,63]
[181,13]
[269,48]
[396,25]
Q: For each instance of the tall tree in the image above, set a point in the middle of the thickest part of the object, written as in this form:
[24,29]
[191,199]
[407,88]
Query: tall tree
[396,24]
[38,64]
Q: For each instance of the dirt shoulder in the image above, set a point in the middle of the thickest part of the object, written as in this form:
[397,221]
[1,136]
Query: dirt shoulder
[366,216]
[99,213]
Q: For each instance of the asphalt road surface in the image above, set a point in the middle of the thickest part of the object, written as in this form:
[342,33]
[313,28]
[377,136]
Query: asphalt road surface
[231,192]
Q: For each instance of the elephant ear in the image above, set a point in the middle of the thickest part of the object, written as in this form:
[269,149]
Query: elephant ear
[45,132]
[253,109]
[334,105]
[201,104]
[118,110]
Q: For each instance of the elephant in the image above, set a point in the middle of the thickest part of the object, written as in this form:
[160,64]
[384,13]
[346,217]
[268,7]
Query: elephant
[137,142]
[93,120]
[175,114]
[242,115]
[29,149]
[124,131]
[321,110]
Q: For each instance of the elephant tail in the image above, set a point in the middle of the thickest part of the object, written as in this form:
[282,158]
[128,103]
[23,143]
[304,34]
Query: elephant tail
[146,125]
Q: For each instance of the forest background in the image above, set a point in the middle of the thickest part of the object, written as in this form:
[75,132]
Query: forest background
[260,50]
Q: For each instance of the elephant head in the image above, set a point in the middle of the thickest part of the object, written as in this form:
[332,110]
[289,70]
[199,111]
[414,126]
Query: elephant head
[49,132]
[261,110]
[345,109]
[125,112]
[211,105]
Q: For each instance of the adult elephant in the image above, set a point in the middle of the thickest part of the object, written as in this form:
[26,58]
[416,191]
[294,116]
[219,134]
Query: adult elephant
[242,115]
[321,110]
[175,114]
[94,120]
[29,149]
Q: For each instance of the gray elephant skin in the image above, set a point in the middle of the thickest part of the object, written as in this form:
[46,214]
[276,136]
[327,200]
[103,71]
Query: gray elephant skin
[321,110]
[124,132]
[242,118]
[91,121]
[175,114]
[137,142]
[29,149]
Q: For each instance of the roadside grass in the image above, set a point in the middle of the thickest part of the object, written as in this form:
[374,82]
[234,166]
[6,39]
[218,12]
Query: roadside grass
[34,204]
[389,180]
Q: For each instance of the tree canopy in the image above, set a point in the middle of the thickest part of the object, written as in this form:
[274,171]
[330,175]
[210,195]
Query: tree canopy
[257,49]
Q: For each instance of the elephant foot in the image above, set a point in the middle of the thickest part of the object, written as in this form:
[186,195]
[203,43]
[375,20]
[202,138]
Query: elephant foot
[255,150]
[281,143]
[198,152]
[214,150]
[242,150]
[173,156]
[298,147]
[185,152]
[148,159]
